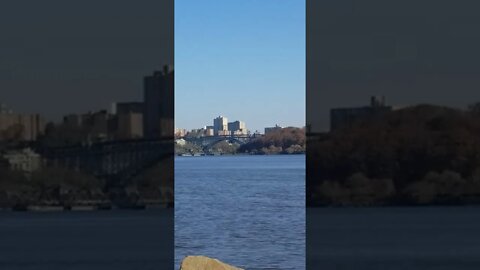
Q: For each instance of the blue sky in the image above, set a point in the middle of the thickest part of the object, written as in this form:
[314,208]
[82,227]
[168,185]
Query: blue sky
[244,59]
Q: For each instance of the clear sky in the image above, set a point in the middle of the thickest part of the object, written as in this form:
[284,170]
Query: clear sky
[59,58]
[409,51]
[244,59]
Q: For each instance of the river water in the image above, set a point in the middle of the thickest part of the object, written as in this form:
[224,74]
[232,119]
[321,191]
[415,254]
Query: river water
[96,240]
[394,238]
[248,211]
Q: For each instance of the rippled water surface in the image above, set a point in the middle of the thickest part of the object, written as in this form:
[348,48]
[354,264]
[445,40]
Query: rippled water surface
[394,238]
[97,240]
[245,210]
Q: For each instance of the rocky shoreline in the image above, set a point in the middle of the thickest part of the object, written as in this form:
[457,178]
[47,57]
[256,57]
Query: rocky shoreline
[205,263]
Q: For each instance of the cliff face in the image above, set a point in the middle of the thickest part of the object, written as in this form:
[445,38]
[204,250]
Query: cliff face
[417,155]
[204,263]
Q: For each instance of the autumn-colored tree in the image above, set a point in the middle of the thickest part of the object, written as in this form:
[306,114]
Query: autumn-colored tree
[405,146]
[286,140]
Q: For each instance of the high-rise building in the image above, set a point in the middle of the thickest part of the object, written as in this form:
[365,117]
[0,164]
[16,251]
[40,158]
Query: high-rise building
[25,127]
[130,125]
[158,104]
[97,122]
[128,120]
[220,124]
[237,128]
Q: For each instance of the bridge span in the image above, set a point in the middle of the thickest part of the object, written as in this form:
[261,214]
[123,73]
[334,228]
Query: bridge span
[207,141]
[119,160]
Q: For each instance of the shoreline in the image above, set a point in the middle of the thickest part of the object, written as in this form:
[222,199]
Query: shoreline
[82,208]
[406,205]
[240,154]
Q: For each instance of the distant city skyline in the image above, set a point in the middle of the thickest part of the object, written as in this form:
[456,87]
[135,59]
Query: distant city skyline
[209,122]
[242,59]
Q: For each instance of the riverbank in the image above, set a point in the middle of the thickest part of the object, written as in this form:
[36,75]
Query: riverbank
[289,140]
[237,154]
[417,155]
[85,207]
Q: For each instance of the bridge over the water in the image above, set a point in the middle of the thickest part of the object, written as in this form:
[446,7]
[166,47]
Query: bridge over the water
[207,141]
[112,160]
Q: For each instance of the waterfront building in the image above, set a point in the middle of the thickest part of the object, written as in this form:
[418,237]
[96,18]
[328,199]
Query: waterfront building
[180,141]
[272,129]
[24,160]
[344,117]
[237,128]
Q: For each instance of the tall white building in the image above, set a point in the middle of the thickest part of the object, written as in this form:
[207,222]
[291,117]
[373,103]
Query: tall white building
[220,124]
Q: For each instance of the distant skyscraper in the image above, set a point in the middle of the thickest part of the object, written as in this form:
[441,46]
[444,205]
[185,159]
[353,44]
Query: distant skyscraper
[130,125]
[158,104]
[220,124]
[237,128]
[128,120]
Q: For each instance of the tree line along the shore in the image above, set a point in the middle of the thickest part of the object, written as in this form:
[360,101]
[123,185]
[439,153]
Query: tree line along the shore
[419,155]
[290,140]
[56,186]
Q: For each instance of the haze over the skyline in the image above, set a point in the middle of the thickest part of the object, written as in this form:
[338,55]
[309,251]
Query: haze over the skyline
[241,59]
[63,57]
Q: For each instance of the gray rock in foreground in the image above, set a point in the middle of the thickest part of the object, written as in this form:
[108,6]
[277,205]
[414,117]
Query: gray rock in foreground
[205,263]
